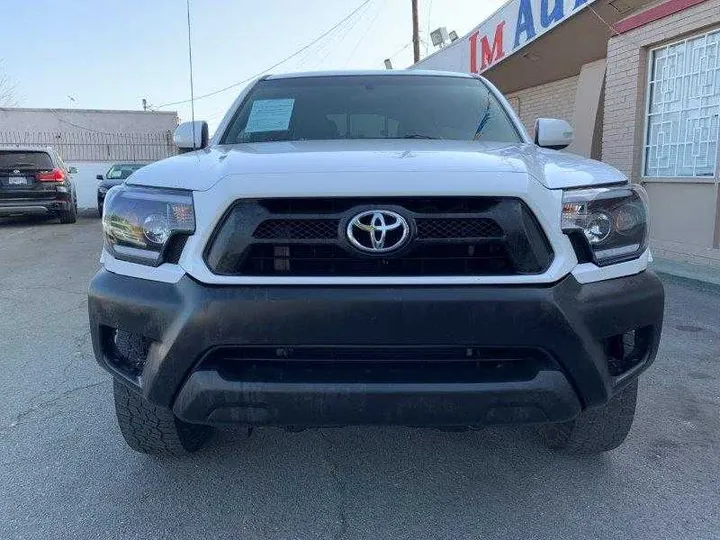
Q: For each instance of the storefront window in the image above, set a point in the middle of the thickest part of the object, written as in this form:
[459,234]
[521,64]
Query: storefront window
[683,110]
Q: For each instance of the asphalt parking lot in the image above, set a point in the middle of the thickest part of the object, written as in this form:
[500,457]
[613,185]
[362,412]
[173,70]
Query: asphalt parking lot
[66,473]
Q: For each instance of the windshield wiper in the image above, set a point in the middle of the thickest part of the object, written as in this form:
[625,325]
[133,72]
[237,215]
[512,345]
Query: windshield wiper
[483,121]
[418,136]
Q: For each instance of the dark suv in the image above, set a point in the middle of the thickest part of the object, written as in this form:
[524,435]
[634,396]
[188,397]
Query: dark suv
[36,181]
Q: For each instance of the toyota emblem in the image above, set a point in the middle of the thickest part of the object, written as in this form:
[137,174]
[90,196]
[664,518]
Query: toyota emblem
[378,231]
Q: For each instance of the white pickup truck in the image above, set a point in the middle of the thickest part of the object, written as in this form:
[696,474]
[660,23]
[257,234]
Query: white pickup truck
[375,248]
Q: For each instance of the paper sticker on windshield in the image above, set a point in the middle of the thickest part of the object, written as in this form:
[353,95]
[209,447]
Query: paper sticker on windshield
[270,115]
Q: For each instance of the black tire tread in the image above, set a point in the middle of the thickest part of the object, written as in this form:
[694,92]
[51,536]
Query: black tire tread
[596,430]
[70,215]
[151,429]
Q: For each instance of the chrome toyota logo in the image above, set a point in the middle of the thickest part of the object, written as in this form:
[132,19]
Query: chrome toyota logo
[378,231]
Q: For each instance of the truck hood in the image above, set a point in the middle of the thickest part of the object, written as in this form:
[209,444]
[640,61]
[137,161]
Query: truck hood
[201,170]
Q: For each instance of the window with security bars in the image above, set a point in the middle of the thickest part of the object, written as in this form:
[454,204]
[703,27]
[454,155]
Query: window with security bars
[683,109]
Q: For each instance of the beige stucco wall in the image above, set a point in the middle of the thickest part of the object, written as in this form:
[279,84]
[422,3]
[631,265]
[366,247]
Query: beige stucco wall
[684,210]
[552,100]
[585,109]
[576,99]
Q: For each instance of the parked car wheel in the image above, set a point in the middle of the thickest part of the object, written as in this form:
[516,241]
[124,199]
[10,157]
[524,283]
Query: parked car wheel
[596,430]
[150,429]
[69,215]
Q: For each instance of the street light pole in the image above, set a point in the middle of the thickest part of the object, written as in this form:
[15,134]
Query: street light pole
[416,32]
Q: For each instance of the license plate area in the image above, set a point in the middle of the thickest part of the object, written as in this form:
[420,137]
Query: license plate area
[17,181]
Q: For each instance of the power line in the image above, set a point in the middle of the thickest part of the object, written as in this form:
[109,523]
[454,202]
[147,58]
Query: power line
[319,47]
[85,128]
[215,115]
[393,55]
[332,43]
[293,55]
[328,46]
[92,130]
[345,33]
[367,30]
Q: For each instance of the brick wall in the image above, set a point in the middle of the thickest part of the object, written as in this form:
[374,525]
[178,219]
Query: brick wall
[685,212]
[626,80]
[551,100]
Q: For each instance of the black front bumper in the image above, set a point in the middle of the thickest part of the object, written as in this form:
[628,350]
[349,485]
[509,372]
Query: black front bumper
[412,355]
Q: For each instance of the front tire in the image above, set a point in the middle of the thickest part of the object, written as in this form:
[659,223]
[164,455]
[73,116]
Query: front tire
[596,430]
[150,429]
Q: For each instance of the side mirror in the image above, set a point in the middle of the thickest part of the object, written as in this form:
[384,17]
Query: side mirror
[99,177]
[72,170]
[553,133]
[191,136]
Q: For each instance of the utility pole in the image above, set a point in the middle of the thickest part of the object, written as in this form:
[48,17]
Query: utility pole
[416,32]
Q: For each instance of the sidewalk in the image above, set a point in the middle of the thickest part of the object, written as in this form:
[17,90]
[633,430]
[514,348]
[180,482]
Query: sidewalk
[686,261]
[686,270]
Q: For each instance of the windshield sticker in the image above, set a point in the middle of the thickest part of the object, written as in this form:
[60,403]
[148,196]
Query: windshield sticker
[270,115]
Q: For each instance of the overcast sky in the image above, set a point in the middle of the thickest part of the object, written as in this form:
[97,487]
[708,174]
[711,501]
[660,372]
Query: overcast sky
[110,54]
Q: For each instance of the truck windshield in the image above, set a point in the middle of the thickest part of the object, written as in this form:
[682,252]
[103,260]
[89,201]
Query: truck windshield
[370,107]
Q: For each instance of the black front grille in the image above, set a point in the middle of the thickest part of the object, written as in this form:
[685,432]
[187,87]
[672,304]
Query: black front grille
[323,260]
[458,228]
[297,229]
[327,229]
[449,236]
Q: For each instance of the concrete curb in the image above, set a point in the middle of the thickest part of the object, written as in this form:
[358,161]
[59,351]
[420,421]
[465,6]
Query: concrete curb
[687,271]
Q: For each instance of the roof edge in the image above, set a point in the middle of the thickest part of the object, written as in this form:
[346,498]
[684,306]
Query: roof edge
[654,13]
[101,111]
[368,72]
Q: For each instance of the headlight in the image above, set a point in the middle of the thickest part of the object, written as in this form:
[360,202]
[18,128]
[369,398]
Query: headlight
[102,189]
[140,222]
[612,221]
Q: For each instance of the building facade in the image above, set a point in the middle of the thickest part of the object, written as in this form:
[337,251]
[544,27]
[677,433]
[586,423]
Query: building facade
[640,83]
[92,140]
[86,120]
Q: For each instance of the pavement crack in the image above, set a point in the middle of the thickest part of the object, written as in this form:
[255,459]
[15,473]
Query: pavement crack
[47,288]
[22,415]
[340,485]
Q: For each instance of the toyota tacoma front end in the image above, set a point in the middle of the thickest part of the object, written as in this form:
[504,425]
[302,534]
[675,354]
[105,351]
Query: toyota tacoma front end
[375,248]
